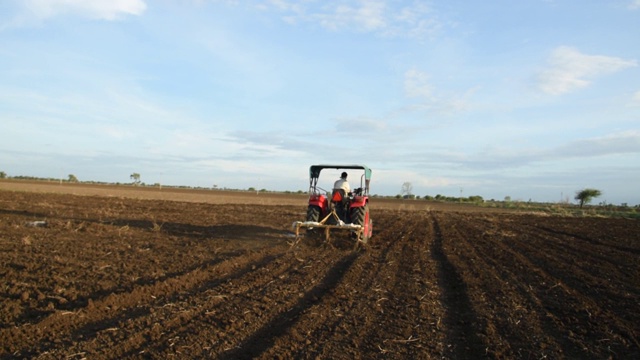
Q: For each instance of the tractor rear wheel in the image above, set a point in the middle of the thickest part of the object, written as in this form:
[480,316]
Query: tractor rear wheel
[360,216]
[313,213]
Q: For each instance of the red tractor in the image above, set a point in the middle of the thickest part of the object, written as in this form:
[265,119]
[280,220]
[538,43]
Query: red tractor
[337,210]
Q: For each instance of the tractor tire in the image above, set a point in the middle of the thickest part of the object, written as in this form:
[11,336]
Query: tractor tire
[313,213]
[359,215]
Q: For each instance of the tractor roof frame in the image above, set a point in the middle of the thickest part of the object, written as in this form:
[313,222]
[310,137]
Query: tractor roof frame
[314,170]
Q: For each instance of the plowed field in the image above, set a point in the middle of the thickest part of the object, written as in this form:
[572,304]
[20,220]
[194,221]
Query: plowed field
[125,278]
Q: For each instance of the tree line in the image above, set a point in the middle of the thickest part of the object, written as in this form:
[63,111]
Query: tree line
[584,196]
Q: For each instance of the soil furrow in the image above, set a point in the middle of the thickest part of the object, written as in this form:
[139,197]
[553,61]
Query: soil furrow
[341,320]
[553,289]
[527,323]
[461,319]
[106,313]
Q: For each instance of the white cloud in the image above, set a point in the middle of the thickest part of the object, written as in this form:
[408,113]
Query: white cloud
[615,144]
[570,70]
[626,142]
[365,16]
[115,132]
[363,124]
[379,16]
[418,20]
[96,9]
[635,100]
[634,5]
[282,5]
[416,84]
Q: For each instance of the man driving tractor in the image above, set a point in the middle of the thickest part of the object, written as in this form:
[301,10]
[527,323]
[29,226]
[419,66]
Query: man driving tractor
[340,197]
[343,184]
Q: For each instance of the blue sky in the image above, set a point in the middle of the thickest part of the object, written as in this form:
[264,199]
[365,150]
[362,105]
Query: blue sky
[531,99]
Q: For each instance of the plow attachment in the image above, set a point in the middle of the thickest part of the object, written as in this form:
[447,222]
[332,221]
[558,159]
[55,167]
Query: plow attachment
[358,230]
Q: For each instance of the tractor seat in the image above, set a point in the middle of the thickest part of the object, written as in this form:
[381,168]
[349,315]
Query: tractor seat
[340,203]
[339,196]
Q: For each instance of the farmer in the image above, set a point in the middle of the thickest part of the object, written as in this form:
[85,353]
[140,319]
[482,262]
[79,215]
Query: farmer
[340,196]
[342,184]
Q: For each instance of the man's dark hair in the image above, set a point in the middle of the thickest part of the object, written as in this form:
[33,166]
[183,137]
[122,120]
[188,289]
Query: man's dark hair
[344,175]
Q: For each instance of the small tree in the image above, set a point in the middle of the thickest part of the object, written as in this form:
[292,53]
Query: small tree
[136,178]
[3,175]
[73,178]
[585,195]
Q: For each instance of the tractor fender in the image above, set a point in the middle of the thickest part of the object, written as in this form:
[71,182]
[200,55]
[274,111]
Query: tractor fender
[320,201]
[359,201]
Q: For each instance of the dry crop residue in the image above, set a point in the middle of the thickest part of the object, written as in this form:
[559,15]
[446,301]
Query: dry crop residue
[118,278]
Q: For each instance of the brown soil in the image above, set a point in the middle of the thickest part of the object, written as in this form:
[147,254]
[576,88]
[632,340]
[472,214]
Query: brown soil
[128,277]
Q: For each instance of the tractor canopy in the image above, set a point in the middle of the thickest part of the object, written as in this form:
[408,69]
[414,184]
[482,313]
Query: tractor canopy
[314,170]
[314,174]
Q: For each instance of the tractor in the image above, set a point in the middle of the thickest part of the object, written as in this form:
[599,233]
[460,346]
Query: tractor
[335,210]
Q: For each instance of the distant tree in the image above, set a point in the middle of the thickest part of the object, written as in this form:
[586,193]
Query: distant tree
[73,178]
[476,199]
[3,175]
[586,195]
[136,178]
[407,189]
